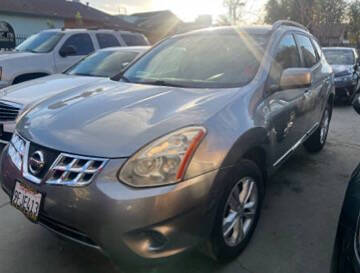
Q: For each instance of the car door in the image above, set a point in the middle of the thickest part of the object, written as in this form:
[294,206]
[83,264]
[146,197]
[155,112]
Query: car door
[285,106]
[314,95]
[83,46]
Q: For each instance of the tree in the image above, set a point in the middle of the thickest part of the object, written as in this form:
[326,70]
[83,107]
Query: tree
[78,19]
[234,9]
[354,22]
[310,13]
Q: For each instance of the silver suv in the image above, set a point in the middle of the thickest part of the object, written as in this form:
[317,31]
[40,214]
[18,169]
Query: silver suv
[178,152]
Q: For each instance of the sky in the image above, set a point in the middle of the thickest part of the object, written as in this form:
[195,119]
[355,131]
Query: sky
[187,10]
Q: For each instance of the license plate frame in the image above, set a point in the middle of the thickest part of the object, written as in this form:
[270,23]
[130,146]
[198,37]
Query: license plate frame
[27,200]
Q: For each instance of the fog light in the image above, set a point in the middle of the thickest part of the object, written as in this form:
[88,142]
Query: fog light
[157,241]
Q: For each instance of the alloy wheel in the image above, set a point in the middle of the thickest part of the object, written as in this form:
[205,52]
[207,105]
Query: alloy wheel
[240,210]
[324,127]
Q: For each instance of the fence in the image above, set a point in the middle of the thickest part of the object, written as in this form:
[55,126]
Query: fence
[20,38]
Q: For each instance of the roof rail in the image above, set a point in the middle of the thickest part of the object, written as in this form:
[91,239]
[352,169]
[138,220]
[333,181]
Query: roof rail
[280,23]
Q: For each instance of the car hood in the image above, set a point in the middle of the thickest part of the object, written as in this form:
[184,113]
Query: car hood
[340,68]
[11,55]
[30,92]
[118,122]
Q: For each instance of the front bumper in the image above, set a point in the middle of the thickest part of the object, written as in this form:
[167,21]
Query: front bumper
[127,224]
[345,89]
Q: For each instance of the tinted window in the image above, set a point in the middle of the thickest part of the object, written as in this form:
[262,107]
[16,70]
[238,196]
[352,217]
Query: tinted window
[81,42]
[41,42]
[287,56]
[103,64]
[307,50]
[339,56]
[134,40]
[204,61]
[107,40]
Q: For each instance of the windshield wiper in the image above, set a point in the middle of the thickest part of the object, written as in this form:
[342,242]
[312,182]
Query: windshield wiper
[162,83]
[119,77]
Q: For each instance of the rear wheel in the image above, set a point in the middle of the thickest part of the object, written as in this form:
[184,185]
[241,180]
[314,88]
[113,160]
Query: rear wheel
[316,142]
[238,212]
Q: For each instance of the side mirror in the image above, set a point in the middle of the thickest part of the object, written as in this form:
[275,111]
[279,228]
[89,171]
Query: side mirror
[295,78]
[356,104]
[67,51]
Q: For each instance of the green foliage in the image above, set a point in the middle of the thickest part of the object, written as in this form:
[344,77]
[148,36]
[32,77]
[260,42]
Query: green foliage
[354,22]
[307,12]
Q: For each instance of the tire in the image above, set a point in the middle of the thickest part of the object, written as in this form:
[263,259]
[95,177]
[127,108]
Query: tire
[316,142]
[226,247]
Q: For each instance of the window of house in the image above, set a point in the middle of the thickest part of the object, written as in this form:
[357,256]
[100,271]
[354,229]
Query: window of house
[107,40]
[81,42]
[307,50]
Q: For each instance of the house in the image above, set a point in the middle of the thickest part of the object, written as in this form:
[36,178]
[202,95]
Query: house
[28,17]
[334,35]
[159,24]
[155,24]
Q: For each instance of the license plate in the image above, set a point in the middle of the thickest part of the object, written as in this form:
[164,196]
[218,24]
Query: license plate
[27,201]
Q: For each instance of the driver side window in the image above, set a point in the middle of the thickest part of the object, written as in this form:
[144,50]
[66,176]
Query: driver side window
[81,43]
[287,56]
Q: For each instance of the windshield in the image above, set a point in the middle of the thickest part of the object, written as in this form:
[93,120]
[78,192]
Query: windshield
[202,61]
[342,57]
[103,64]
[40,43]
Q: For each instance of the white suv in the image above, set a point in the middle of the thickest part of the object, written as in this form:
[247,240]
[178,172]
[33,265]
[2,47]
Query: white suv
[53,51]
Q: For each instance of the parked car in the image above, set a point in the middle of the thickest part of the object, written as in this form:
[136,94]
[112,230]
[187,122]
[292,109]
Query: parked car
[178,153]
[53,51]
[345,63]
[104,63]
[346,255]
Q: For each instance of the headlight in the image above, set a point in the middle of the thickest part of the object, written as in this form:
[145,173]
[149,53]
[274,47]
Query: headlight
[16,150]
[163,161]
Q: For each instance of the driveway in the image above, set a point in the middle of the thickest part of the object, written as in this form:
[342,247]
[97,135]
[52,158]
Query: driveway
[295,233]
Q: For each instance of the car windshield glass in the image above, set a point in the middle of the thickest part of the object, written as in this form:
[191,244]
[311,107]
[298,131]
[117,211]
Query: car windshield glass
[103,64]
[40,43]
[201,60]
[344,57]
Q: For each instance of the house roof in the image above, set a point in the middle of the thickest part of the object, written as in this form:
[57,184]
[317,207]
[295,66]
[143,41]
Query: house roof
[61,9]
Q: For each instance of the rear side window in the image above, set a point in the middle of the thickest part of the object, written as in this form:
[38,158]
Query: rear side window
[107,40]
[134,40]
[81,42]
[307,50]
[286,56]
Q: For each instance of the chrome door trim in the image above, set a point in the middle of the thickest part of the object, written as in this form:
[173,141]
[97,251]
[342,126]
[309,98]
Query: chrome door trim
[297,144]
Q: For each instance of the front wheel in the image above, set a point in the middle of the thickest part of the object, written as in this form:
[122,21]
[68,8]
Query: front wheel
[316,142]
[238,212]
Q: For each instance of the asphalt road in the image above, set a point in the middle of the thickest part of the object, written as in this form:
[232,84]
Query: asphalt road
[295,233]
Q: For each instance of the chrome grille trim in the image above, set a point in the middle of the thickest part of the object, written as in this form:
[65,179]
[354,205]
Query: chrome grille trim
[9,111]
[66,170]
[74,170]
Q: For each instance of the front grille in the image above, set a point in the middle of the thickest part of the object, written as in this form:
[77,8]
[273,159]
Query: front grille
[8,112]
[50,156]
[342,73]
[66,231]
[73,170]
